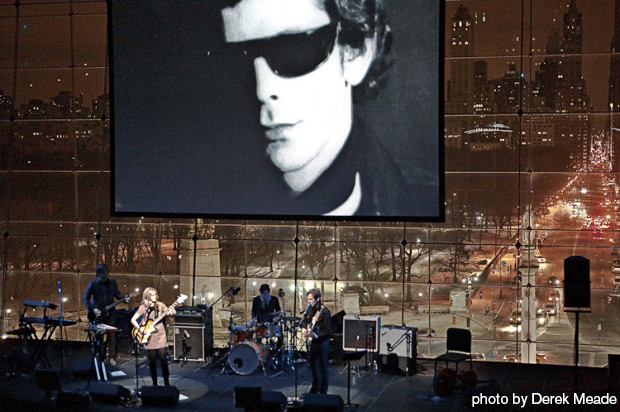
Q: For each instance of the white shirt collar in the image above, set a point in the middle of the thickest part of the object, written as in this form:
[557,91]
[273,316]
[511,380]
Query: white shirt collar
[349,206]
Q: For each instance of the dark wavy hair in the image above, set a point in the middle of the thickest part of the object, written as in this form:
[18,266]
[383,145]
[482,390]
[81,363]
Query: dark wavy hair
[359,20]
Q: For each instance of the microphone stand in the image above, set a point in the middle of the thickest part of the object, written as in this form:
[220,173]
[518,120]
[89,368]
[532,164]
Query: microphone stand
[230,321]
[230,290]
[141,330]
[60,323]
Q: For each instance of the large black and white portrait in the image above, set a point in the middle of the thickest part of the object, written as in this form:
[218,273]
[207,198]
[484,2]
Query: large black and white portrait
[282,109]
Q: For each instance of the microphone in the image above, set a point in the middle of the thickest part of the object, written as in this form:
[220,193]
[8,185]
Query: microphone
[307,309]
[281,293]
[235,291]
[186,335]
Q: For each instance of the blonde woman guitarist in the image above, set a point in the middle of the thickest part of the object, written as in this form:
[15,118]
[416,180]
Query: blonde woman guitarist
[316,328]
[156,342]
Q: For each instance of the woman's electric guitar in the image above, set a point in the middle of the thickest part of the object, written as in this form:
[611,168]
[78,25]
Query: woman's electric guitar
[143,334]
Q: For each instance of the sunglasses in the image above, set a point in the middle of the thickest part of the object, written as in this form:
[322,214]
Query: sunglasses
[291,55]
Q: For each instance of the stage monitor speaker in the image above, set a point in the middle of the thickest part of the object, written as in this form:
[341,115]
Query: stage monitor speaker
[361,333]
[272,401]
[576,283]
[613,365]
[198,340]
[162,396]
[108,393]
[47,380]
[69,401]
[319,402]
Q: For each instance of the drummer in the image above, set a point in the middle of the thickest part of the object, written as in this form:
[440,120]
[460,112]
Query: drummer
[264,306]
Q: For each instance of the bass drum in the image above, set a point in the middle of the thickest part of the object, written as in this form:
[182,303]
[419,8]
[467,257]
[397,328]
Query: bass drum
[245,357]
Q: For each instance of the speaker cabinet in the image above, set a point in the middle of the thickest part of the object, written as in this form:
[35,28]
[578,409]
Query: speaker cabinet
[69,401]
[108,393]
[361,333]
[576,283]
[197,340]
[325,403]
[163,396]
[398,340]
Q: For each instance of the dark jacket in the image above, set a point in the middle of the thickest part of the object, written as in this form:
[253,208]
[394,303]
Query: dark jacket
[323,326]
[99,294]
[264,314]
[387,188]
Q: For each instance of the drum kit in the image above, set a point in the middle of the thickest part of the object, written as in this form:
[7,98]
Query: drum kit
[268,344]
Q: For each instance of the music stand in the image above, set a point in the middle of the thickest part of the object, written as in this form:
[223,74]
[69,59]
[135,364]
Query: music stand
[348,357]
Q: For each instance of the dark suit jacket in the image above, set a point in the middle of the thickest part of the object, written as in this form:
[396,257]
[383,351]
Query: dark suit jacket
[98,293]
[264,314]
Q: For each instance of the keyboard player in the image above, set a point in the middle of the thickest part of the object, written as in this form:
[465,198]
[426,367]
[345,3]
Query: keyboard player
[99,293]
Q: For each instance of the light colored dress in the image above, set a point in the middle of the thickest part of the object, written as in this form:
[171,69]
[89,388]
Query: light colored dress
[159,339]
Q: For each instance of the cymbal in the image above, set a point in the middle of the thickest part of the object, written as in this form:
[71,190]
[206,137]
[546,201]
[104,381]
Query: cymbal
[230,310]
[291,318]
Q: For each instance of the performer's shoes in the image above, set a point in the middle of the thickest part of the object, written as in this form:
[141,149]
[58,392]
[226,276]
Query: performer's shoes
[113,363]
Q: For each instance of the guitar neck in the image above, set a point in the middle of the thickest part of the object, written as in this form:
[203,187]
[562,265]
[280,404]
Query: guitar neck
[165,313]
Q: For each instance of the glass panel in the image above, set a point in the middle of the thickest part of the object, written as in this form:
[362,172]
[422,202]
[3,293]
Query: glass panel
[45,94]
[7,40]
[90,85]
[37,49]
[42,196]
[90,144]
[7,11]
[571,84]
[592,23]
[481,86]
[89,41]
[482,28]
[45,252]
[43,145]
[482,143]
[6,98]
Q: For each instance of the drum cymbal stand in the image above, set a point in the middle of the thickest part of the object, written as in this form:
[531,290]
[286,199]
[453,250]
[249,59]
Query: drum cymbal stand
[280,358]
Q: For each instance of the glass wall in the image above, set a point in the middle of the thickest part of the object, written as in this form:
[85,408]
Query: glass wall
[532,89]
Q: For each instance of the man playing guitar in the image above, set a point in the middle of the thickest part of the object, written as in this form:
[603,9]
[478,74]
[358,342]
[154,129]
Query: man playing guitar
[99,300]
[154,333]
[316,328]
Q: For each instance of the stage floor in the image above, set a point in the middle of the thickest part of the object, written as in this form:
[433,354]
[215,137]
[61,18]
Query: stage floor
[206,389]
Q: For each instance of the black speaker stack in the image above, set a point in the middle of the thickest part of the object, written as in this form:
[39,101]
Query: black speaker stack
[576,283]
[193,331]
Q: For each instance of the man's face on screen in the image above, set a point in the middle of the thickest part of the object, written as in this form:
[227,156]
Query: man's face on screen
[301,82]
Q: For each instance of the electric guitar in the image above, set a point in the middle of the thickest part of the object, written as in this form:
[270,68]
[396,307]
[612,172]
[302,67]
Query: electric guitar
[92,318]
[315,319]
[143,334]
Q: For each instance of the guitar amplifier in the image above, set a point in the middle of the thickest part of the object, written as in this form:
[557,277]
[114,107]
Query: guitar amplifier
[398,340]
[198,342]
[193,315]
[361,333]
[194,325]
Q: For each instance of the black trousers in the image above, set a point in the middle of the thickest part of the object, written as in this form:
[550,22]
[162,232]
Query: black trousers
[319,366]
[162,355]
